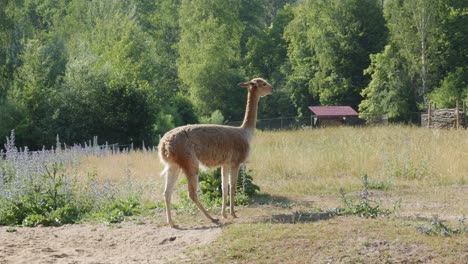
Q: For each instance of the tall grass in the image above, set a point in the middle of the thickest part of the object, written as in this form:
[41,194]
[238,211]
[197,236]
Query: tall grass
[291,164]
[321,161]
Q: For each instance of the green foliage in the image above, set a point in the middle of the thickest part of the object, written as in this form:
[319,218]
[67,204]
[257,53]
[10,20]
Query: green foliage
[210,185]
[209,53]
[40,188]
[267,56]
[211,192]
[179,112]
[330,49]
[414,29]
[118,210]
[216,118]
[364,207]
[387,93]
[58,217]
[454,87]
[83,68]
[10,114]
[128,71]
[46,202]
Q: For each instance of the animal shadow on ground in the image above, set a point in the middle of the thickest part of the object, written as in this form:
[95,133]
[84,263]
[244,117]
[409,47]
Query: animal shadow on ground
[273,200]
[205,227]
[291,218]
[299,217]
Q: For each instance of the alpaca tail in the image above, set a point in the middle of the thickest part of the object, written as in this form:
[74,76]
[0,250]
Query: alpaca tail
[162,151]
[165,170]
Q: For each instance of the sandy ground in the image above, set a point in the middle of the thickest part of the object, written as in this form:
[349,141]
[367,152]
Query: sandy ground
[99,243]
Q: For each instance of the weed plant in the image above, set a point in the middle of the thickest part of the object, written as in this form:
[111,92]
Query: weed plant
[364,206]
[37,189]
[210,188]
[438,227]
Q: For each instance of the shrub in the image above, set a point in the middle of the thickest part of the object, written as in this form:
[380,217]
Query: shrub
[211,192]
[35,189]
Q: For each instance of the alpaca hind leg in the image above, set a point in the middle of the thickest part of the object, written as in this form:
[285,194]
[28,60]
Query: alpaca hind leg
[233,185]
[192,179]
[171,174]
[225,171]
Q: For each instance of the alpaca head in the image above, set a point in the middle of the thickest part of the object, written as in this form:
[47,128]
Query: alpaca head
[259,86]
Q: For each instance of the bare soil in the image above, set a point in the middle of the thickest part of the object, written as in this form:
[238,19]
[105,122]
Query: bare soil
[100,243]
[274,225]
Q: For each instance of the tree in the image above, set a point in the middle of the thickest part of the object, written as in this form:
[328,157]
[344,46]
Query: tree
[330,49]
[413,29]
[425,50]
[36,85]
[267,57]
[453,88]
[109,78]
[388,93]
[10,47]
[453,50]
[209,50]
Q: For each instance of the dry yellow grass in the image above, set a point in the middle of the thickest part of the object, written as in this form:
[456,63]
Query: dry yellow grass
[304,162]
[298,163]
[143,168]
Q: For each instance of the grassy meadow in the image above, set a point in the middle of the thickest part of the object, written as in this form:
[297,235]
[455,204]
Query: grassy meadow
[333,195]
[421,175]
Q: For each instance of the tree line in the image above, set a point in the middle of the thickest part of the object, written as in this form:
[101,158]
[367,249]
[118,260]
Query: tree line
[129,70]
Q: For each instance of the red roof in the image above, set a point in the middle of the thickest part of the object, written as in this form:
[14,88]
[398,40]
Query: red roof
[333,111]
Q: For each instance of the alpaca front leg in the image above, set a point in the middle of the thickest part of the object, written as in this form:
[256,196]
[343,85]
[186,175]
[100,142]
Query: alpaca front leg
[225,172]
[233,184]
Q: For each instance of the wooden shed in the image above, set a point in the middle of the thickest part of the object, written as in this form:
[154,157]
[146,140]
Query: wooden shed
[332,115]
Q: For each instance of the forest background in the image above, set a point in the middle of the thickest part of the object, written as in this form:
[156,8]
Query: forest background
[129,70]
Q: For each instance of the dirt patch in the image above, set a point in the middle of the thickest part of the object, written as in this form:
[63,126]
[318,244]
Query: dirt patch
[99,243]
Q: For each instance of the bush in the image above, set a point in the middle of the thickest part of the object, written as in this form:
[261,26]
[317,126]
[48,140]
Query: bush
[35,189]
[211,192]
[45,199]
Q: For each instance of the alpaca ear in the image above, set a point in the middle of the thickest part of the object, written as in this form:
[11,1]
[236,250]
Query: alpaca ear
[247,84]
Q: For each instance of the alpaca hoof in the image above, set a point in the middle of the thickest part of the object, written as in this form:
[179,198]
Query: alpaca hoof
[225,216]
[172,225]
[234,215]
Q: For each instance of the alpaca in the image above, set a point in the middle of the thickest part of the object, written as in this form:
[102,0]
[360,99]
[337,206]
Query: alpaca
[185,148]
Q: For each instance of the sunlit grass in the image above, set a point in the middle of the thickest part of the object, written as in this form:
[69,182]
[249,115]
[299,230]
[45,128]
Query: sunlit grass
[136,166]
[409,161]
[338,240]
[427,170]
[304,162]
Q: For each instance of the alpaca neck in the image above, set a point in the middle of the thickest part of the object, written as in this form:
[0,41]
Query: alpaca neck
[250,118]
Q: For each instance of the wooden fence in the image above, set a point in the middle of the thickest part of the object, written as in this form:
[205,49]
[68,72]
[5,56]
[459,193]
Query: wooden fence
[445,118]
